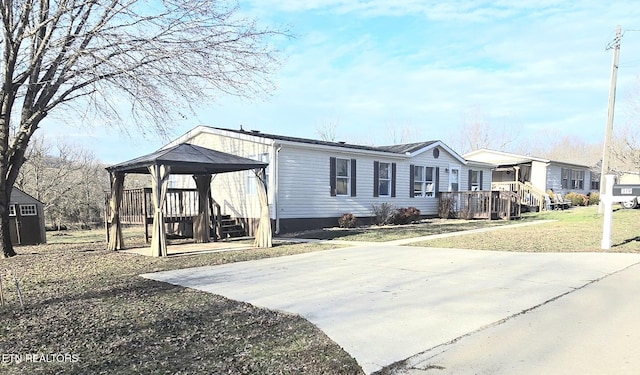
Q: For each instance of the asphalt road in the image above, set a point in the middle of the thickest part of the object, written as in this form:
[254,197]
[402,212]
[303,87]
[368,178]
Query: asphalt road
[593,330]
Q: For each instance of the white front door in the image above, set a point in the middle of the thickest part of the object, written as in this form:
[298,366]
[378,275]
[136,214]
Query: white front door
[454,178]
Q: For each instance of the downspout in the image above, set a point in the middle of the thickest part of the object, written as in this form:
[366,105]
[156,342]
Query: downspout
[276,184]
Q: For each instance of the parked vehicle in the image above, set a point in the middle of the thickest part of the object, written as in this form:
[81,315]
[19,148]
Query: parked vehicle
[631,204]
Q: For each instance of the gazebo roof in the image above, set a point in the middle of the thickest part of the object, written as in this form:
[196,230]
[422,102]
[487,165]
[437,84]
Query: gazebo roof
[186,158]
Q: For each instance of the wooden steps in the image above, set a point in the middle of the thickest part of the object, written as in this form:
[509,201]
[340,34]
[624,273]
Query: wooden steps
[230,228]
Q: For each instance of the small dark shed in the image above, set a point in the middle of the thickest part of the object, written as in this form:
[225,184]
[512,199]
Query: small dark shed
[26,219]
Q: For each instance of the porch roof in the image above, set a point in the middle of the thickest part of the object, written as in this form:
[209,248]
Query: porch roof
[186,158]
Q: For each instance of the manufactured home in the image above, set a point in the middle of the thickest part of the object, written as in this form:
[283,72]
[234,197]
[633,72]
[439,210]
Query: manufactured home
[533,177]
[311,183]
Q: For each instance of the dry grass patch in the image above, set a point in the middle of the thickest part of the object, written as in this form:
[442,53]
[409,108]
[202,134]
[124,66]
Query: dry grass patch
[83,300]
[578,229]
[385,233]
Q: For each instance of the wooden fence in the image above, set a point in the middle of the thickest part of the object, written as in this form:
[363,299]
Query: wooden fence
[490,205]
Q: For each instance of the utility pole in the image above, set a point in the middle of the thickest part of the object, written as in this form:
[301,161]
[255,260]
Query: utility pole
[612,102]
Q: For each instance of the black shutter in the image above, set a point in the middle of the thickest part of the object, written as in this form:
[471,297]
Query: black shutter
[393,179]
[436,190]
[470,178]
[480,187]
[332,176]
[353,177]
[376,179]
[412,180]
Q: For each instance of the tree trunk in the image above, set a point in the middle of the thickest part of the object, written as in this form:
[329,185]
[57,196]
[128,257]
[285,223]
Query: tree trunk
[5,235]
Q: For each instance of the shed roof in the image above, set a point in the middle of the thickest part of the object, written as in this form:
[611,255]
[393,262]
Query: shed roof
[186,158]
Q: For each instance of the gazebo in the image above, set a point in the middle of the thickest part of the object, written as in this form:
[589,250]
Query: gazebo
[183,159]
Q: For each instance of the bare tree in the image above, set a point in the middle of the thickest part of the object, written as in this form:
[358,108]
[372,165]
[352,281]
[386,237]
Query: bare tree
[328,131]
[67,179]
[568,148]
[96,56]
[478,131]
[403,133]
[625,150]
[625,144]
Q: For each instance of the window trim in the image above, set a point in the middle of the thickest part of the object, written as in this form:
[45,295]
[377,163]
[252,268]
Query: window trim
[391,179]
[12,210]
[477,186]
[388,179]
[424,193]
[572,179]
[28,210]
[351,178]
[347,178]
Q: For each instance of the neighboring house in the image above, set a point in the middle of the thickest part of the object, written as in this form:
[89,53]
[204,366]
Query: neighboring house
[26,219]
[311,183]
[522,171]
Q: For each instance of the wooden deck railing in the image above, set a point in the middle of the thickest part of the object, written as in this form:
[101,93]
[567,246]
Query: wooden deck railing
[136,206]
[527,194]
[490,205]
[180,206]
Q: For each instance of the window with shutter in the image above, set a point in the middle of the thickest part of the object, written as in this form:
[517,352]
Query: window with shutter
[384,179]
[423,181]
[343,177]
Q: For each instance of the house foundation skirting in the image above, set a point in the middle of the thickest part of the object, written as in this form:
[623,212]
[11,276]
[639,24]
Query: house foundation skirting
[297,224]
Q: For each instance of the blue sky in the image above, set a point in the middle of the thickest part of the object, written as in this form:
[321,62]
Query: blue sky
[540,67]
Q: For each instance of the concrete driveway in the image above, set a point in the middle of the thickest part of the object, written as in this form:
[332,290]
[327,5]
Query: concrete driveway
[385,303]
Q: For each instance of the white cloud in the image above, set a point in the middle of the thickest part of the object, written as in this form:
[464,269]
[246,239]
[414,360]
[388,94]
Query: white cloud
[367,64]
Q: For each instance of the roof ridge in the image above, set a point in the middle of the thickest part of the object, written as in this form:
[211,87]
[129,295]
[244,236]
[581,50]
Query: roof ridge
[326,143]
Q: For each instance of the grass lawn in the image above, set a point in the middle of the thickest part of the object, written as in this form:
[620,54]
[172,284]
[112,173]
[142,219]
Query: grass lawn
[89,303]
[577,229]
[397,232]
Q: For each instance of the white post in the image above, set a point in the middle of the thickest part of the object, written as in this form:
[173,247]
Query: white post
[607,200]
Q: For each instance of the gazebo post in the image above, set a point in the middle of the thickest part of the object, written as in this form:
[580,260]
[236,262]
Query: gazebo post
[115,240]
[160,179]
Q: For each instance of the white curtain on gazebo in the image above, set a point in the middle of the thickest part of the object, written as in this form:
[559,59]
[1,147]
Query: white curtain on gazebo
[160,179]
[263,235]
[201,229]
[115,227]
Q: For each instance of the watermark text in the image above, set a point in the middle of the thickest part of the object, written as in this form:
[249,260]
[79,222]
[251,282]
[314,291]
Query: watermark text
[15,358]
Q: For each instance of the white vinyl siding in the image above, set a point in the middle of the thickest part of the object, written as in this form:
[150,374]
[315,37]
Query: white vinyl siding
[304,179]
[251,183]
[235,192]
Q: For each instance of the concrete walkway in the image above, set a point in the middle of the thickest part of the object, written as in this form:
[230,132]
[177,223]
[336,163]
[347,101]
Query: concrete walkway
[384,303]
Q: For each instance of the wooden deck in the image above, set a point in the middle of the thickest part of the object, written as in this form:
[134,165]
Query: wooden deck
[180,209]
[529,196]
[490,205]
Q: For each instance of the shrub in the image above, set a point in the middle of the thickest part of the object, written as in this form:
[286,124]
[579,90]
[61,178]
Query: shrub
[382,213]
[594,198]
[405,215]
[577,199]
[446,208]
[347,221]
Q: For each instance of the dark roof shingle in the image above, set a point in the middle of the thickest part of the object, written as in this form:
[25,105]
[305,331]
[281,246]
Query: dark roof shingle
[396,149]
